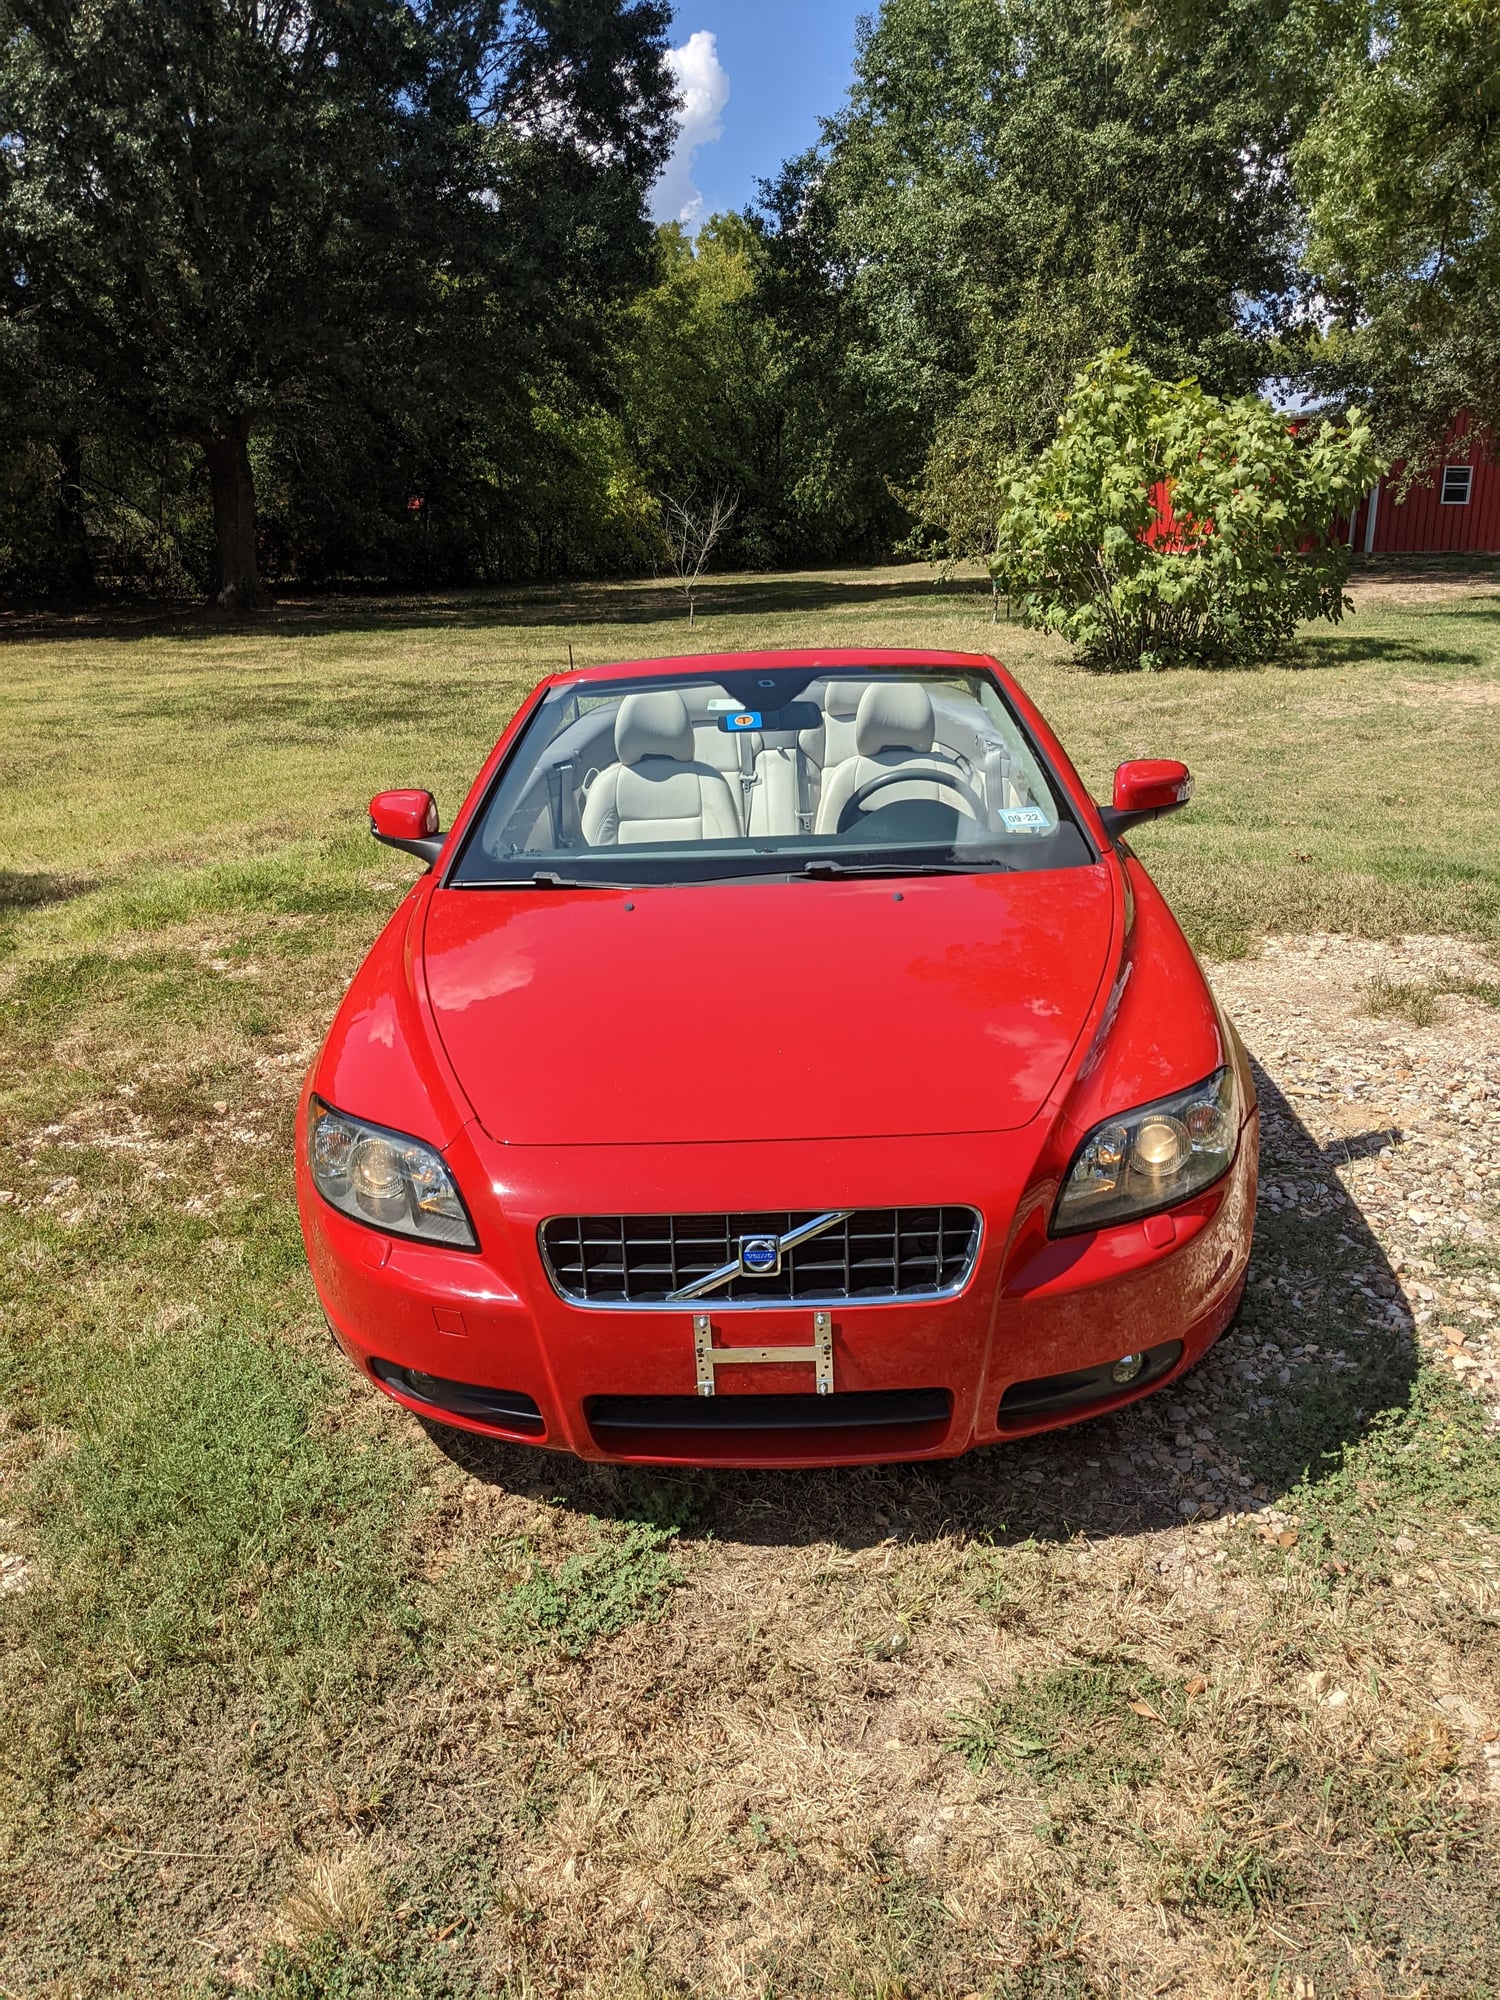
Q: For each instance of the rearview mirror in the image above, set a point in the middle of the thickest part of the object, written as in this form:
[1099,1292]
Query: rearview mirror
[1145,787]
[408,820]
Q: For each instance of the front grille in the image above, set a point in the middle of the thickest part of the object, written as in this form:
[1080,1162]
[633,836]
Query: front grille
[873,1254]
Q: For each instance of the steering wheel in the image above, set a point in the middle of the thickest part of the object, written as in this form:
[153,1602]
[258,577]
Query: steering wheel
[934,774]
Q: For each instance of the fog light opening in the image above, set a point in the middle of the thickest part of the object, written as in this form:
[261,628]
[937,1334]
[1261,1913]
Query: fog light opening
[1127,1368]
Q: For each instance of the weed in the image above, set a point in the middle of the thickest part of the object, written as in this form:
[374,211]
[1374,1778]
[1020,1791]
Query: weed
[1416,1001]
[627,1575]
[1220,1871]
[1486,991]
[1409,1000]
[1430,1460]
[1081,1724]
[681,1500]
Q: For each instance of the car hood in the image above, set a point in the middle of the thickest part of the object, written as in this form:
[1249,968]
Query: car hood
[748,1011]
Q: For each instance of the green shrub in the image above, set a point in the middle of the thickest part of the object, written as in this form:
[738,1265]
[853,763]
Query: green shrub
[1081,549]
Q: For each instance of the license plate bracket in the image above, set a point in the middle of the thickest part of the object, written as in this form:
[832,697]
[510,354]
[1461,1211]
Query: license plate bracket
[708,1358]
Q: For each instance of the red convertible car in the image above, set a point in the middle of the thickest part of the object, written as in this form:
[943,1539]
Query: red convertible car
[783,1060]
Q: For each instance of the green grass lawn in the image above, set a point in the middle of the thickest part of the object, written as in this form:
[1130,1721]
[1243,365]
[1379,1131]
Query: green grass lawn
[287,1698]
[1355,790]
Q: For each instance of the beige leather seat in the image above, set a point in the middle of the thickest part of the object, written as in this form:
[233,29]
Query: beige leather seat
[658,790]
[893,732]
[840,705]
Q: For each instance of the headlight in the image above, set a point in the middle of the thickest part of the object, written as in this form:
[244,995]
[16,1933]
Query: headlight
[396,1184]
[1151,1158]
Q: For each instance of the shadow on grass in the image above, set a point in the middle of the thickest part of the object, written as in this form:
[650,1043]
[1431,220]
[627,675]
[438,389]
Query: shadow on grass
[1351,649]
[31,892]
[22,893]
[643,602]
[1323,1309]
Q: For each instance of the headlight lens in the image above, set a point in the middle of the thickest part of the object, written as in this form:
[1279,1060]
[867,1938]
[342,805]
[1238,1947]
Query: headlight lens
[1151,1158]
[383,1178]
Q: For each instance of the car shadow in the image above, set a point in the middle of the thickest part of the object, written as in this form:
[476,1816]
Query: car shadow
[1323,1345]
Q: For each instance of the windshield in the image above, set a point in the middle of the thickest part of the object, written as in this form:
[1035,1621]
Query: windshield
[680,778]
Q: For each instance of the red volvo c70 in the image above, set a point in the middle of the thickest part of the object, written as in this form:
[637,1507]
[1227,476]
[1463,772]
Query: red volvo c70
[783,1060]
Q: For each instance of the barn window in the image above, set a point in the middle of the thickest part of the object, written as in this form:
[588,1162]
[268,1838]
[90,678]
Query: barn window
[1457,479]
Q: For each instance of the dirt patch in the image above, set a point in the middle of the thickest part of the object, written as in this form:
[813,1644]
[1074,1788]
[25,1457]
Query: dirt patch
[1457,694]
[1419,580]
[1408,1117]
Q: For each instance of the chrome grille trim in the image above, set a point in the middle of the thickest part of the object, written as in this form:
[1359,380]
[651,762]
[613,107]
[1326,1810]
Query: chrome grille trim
[871,1256]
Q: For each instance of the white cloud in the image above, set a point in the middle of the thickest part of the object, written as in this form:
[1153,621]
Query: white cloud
[703,86]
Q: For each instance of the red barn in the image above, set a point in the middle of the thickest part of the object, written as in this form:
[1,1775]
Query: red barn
[1456,507]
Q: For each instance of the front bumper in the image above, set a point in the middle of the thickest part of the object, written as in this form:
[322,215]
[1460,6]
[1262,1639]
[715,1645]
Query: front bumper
[491,1319]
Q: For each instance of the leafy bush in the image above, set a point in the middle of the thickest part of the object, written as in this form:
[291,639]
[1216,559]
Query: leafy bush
[1241,554]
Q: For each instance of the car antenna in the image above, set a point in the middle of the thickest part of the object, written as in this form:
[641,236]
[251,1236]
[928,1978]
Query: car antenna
[570,656]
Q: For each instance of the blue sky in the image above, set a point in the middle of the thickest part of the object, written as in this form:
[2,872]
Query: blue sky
[756,76]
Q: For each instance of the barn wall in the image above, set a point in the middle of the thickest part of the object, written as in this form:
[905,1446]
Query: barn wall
[1422,525]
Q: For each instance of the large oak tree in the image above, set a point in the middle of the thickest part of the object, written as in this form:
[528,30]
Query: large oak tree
[214,212]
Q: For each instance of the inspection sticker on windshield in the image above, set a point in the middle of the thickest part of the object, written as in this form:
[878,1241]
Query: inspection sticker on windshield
[1024,819]
[743,718]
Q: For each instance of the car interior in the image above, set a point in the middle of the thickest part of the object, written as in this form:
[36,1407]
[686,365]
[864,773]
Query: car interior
[863,757]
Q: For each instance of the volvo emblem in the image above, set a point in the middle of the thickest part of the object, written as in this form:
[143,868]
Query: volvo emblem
[760,1256]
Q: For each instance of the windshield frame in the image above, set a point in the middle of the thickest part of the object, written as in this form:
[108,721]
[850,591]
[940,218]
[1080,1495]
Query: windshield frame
[727,862]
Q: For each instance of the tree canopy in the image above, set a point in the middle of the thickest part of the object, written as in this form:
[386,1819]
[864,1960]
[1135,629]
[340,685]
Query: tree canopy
[1015,184]
[216,214]
[317,289]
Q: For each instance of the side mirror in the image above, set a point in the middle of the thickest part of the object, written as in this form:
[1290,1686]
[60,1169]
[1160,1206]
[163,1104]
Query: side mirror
[408,820]
[1145,787]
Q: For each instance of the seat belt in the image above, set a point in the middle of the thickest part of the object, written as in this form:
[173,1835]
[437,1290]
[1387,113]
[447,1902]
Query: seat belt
[747,773]
[804,798]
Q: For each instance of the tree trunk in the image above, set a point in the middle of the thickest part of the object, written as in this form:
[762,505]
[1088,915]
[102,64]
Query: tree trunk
[77,564]
[227,448]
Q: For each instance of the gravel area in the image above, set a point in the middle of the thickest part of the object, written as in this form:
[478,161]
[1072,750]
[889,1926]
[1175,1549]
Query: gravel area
[1404,1123]
[1377,1236]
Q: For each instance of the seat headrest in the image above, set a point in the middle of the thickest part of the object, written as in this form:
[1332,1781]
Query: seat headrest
[893,715]
[842,698]
[653,725]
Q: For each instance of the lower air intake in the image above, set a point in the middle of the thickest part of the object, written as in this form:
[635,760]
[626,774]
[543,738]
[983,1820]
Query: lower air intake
[890,1423]
[502,1409]
[1054,1395]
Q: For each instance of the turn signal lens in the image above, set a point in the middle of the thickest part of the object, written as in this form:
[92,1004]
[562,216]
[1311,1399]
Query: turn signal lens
[1151,1158]
[397,1184]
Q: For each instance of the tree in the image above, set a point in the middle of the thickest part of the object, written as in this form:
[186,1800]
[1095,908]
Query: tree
[1396,106]
[1086,548]
[218,215]
[731,376]
[693,530]
[1016,183]
[1401,170]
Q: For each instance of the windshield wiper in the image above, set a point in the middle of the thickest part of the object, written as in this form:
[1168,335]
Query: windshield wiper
[548,878]
[818,869]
